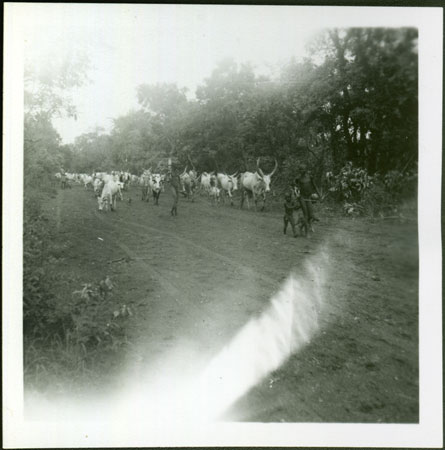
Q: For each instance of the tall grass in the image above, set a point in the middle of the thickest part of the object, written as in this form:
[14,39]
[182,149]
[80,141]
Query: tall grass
[71,340]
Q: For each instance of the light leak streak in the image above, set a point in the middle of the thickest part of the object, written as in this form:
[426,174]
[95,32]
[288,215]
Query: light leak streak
[263,345]
[260,347]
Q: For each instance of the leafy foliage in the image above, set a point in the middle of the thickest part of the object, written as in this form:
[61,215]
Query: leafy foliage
[49,83]
[72,337]
[48,94]
[36,297]
[351,182]
[353,99]
[63,337]
[95,322]
[362,194]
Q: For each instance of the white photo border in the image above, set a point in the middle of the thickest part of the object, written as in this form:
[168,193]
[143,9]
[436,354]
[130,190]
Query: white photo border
[428,433]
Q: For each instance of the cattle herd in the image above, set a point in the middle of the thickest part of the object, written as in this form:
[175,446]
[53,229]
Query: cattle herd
[217,186]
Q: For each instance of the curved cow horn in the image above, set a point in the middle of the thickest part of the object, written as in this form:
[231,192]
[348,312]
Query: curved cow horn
[185,170]
[275,168]
[235,174]
[259,168]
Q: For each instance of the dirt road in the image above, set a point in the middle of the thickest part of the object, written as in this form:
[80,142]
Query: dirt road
[195,280]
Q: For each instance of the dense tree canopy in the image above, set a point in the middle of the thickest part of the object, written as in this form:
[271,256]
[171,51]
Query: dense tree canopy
[354,98]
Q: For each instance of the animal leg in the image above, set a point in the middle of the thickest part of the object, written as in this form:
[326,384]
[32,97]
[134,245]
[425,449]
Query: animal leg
[264,201]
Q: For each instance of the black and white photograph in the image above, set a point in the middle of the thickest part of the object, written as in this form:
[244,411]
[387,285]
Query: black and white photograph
[222,225]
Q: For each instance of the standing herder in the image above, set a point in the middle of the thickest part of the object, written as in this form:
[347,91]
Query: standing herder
[290,205]
[63,178]
[175,182]
[307,188]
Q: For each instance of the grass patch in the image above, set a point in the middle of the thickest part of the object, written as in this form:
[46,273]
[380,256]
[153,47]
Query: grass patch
[71,339]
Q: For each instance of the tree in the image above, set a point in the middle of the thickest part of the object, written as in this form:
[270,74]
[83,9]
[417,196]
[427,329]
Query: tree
[41,149]
[47,95]
[133,143]
[226,102]
[167,106]
[49,84]
[92,152]
[369,90]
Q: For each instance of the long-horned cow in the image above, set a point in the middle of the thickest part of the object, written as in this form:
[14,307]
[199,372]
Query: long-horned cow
[206,181]
[189,181]
[228,184]
[156,186]
[256,184]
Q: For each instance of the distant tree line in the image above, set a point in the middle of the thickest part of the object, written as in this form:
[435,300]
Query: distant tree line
[354,99]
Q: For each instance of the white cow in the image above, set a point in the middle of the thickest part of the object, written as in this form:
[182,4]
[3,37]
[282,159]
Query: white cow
[228,184]
[100,175]
[109,194]
[155,183]
[121,187]
[71,177]
[87,180]
[189,181]
[214,194]
[256,184]
[98,185]
[205,182]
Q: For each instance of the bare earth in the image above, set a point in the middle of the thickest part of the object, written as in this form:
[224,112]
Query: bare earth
[194,280]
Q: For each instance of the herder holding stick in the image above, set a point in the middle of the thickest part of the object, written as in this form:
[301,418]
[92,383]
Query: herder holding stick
[306,187]
[173,178]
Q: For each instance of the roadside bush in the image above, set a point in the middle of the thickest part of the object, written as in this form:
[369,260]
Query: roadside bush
[350,183]
[362,194]
[400,185]
[96,324]
[75,338]
[37,298]
[91,337]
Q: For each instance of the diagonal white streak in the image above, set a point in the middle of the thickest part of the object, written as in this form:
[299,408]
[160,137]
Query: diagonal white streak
[262,345]
[178,397]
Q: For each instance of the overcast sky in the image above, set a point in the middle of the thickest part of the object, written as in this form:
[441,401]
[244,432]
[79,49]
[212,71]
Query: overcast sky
[133,44]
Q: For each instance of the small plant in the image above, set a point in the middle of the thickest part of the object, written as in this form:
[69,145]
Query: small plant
[353,209]
[350,184]
[96,323]
[362,194]
[92,335]
[394,181]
